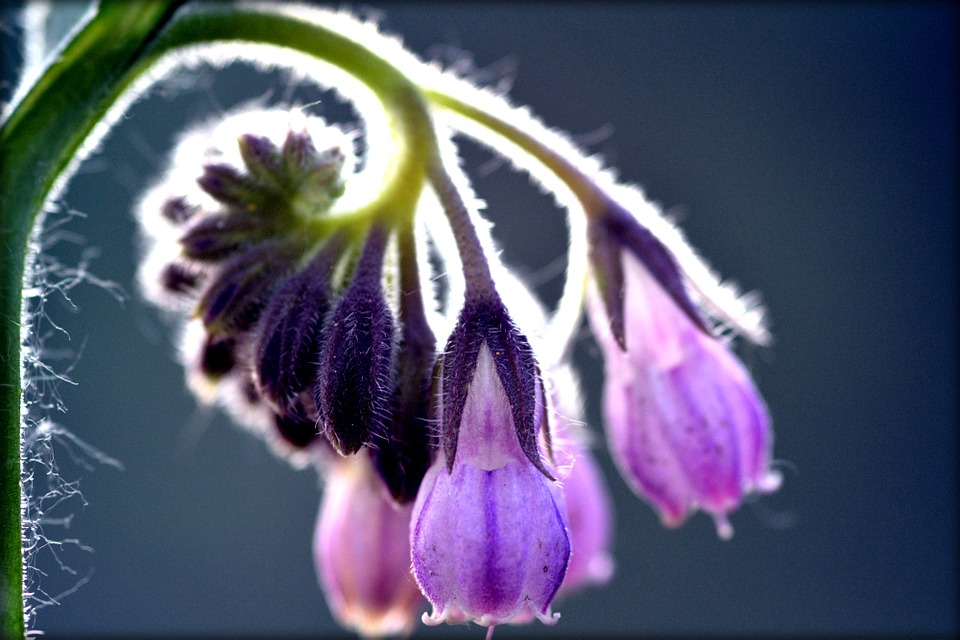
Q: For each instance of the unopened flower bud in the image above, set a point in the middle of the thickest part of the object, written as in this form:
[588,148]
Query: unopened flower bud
[589,512]
[239,192]
[236,295]
[355,384]
[404,454]
[180,280]
[217,237]
[289,336]
[177,210]
[362,552]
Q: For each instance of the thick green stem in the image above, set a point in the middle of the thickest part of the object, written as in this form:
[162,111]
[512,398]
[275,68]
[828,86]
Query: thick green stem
[39,141]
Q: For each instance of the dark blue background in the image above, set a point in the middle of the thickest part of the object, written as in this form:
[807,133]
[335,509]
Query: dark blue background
[810,152]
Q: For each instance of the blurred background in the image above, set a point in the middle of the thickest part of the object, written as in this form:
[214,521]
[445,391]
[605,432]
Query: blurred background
[810,153]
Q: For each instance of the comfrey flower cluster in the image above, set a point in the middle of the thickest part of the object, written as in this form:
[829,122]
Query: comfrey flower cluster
[456,470]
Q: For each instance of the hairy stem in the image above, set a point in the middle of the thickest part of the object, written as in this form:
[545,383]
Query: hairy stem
[39,142]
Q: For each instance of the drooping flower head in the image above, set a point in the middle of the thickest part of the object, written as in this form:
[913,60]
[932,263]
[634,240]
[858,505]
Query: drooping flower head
[489,538]
[290,316]
[310,325]
[684,421]
[241,254]
[289,327]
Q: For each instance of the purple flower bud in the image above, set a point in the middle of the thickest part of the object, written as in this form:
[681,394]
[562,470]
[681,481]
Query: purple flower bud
[295,427]
[237,293]
[261,156]
[355,384]
[288,338]
[304,161]
[299,153]
[230,187]
[217,237]
[489,538]
[179,279]
[362,552]
[685,424]
[218,356]
[405,453]
[590,519]
[589,512]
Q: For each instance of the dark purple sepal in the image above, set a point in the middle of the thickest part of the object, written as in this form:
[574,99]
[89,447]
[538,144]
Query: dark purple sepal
[543,419]
[239,192]
[288,338]
[180,280]
[487,320]
[218,236]
[656,258]
[236,295]
[605,254]
[458,362]
[355,384]
[296,427]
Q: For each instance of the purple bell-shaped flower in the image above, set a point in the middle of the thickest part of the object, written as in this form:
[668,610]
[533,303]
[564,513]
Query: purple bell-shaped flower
[684,421]
[489,539]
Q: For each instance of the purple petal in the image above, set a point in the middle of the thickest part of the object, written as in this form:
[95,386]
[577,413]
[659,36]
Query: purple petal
[488,542]
[590,519]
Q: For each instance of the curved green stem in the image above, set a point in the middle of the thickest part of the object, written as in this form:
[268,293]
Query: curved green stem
[476,270]
[39,142]
[402,101]
[585,189]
